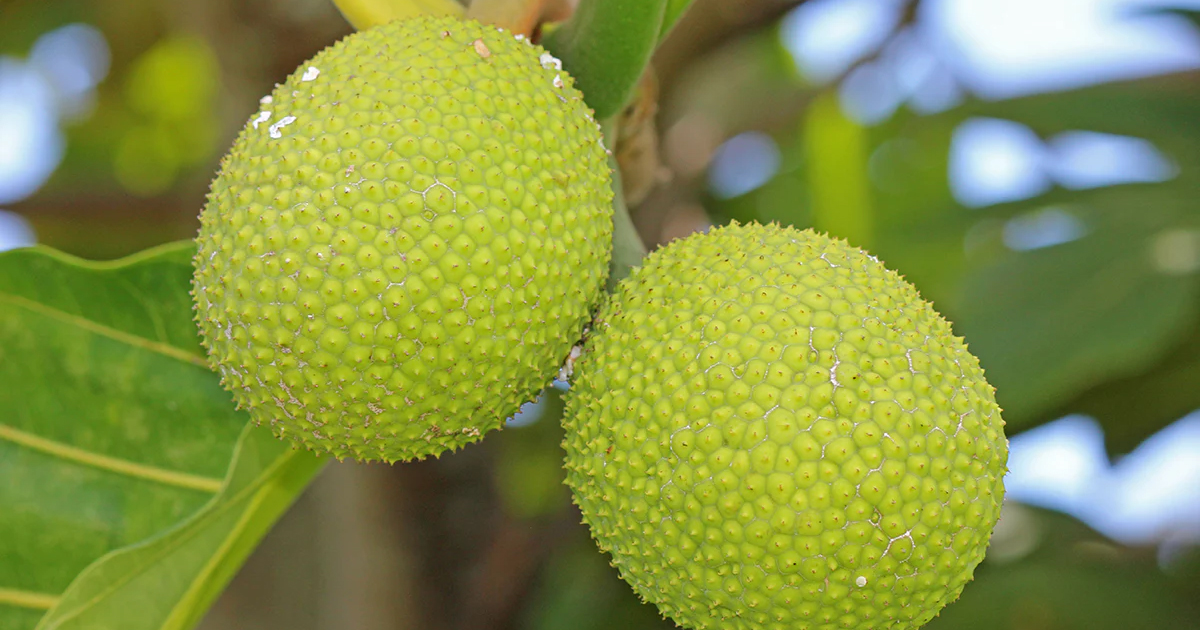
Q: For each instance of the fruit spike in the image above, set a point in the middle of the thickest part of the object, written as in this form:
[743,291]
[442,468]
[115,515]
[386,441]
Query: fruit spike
[768,429]
[405,241]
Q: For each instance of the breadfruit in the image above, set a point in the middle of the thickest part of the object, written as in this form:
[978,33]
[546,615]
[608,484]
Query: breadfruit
[768,429]
[405,240]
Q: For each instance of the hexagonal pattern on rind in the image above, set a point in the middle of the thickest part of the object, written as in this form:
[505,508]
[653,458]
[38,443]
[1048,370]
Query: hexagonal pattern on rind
[405,240]
[769,430]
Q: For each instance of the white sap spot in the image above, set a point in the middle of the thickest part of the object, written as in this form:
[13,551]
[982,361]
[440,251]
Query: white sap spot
[550,61]
[262,118]
[266,100]
[283,122]
[558,82]
[861,581]
[520,37]
[311,74]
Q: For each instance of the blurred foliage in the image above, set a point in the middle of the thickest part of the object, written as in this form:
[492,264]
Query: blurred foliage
[835,149]
[579,590]
[529,473]
[1069,577]
[170,92]
[1107,325]
[184,79]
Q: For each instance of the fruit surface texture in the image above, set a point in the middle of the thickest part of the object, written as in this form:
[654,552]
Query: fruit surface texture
[768,429]
[405,241]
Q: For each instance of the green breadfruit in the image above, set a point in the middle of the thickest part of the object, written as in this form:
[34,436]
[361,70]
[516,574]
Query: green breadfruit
[768,429]
[405,240]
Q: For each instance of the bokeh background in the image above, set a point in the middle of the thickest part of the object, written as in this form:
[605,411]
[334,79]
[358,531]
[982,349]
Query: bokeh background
[1033,166]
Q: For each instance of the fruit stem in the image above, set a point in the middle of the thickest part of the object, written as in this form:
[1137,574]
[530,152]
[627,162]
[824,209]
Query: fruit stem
[628,248]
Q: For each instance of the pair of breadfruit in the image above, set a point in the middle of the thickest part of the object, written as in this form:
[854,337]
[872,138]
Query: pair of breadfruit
[766,427]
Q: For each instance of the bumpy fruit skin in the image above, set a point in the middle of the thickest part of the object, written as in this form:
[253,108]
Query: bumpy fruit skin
[768,429]
[405,241]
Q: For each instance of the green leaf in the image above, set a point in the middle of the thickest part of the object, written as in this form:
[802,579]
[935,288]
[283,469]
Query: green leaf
[605,46]
[363,14]
[1132,408]
[1050,323]
[115,447]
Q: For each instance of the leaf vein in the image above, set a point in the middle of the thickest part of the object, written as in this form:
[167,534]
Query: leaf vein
[27,599]
[107,331]
[106,462]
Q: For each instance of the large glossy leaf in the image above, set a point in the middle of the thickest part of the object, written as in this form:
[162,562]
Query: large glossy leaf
[131,487]
[605,46]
